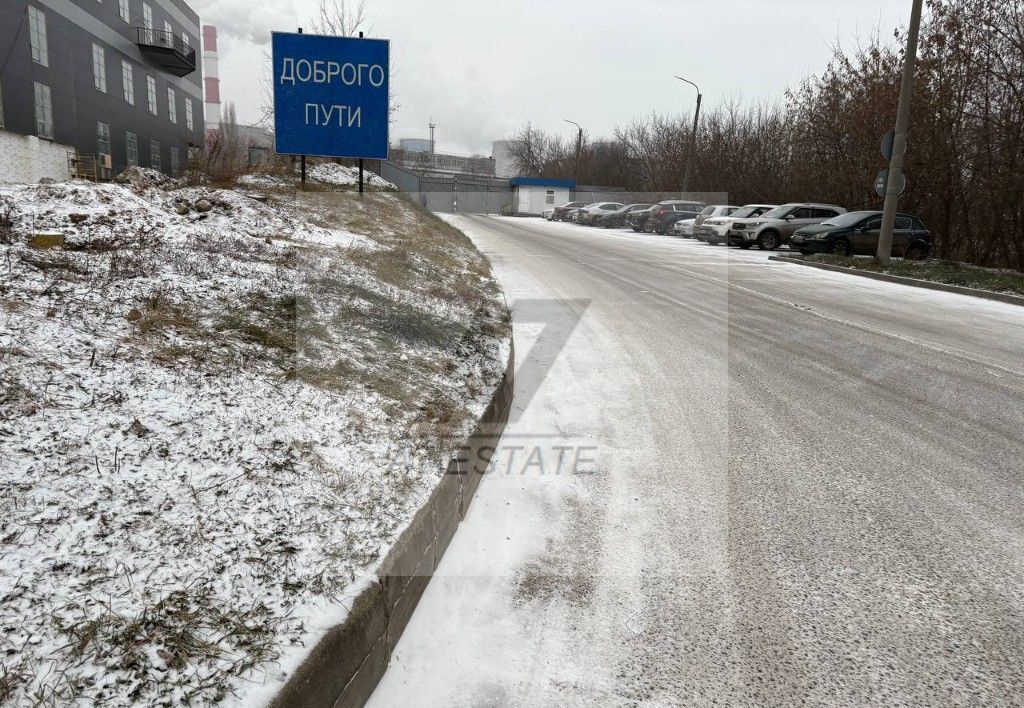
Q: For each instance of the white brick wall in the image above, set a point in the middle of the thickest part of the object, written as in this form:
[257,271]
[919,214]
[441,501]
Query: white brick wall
[26,158]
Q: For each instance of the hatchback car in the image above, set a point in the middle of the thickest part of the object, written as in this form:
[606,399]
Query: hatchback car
[773,228]
[684,228]
[617,219]
[857,232]
[560,212]
[588,215]
[664,214]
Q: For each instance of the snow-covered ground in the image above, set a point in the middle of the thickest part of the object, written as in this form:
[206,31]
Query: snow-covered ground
[216,414]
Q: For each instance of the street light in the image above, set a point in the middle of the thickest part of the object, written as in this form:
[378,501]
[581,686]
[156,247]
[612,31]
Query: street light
[693,143]
[899,143]
[579,147]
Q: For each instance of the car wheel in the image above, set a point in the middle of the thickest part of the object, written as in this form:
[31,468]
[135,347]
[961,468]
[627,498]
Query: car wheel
[840,248]
[713,241]
[917,251]
[768,241]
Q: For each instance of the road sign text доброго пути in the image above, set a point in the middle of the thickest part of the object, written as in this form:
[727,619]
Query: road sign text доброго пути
[330,95]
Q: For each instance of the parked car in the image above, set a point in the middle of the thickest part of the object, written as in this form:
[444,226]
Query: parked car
[589,214]
[560,211]
[774,227]
[574,213]
[856,233]
[715,229]
[710,212]
[637,220]
[664,214]
[547,213]
[684,228]
[617,219]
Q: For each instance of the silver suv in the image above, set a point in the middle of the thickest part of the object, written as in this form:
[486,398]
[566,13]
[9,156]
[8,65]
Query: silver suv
[773,228]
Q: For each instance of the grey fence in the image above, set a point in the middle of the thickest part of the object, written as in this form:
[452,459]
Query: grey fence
[457,193]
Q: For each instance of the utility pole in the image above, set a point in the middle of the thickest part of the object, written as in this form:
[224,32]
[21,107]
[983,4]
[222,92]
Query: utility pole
[899,144]
[693,137]
[579,148]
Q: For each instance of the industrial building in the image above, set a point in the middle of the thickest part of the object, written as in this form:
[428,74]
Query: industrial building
[115,81]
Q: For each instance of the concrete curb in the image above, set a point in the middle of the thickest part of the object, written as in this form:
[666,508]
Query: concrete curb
[344,668]
[915,282]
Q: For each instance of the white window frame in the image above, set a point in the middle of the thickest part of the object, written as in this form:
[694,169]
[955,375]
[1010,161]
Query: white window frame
[43,110]
[131,148]
[128,82]
[172,106]
[38,41]
[175,162]
[147,21]
[151,95]
[190,122]
[99,68]
[154,154]
[124,10]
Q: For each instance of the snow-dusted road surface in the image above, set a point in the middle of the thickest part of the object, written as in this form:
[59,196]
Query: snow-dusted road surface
[807,489]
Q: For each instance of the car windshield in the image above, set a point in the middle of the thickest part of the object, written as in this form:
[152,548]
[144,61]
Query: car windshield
[707,211]
[778,212]
[849,219]
[744,212]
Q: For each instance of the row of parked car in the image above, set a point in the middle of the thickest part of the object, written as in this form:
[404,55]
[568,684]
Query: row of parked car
[805,227]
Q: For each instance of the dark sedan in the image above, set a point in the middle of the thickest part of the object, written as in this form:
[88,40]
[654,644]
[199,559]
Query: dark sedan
[617,219]
[664,214]
[856,233]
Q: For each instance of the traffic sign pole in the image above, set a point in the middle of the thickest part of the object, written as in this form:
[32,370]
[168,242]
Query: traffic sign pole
[899,146]
[360,159]
[302,158]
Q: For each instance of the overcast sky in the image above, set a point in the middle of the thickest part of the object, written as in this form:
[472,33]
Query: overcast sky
[483,68]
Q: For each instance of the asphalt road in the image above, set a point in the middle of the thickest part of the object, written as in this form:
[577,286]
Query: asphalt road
[806,489]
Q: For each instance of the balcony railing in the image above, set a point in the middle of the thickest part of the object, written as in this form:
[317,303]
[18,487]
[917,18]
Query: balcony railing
[167,49]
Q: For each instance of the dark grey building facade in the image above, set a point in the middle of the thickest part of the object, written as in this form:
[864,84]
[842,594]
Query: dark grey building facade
[117,78]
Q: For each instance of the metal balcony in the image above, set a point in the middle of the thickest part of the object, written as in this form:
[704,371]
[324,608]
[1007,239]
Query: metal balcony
[167,50]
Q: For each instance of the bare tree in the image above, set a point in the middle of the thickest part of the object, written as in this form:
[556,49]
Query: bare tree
[340,18]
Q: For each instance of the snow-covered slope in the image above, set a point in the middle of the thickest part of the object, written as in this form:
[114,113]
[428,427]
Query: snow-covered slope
[215,415]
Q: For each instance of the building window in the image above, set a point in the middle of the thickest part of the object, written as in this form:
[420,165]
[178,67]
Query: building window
[147,21]
[1,107]
[190,123]
[154,154]
[44,111]
[37,36]
[187,41]
[103,148]
[172,108]
[549,197]
[131,145]
[128,82]
[174,160]
[99,68]
[123,10]
[151,94]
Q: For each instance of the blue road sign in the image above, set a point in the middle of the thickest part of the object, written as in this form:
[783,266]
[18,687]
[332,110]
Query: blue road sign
[330,95]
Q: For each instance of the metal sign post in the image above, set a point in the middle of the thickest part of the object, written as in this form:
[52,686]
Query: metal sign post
[360,159]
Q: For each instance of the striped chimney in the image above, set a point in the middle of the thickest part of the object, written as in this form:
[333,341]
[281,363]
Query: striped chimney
[211,78]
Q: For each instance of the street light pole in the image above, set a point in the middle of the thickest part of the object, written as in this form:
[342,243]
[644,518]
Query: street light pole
[899,143]
[693,139]
[579,148]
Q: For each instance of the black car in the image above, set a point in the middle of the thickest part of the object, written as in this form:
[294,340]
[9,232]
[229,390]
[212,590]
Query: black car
[856,233]
[637,220]
[617,219]
[560,211]
[664,214]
